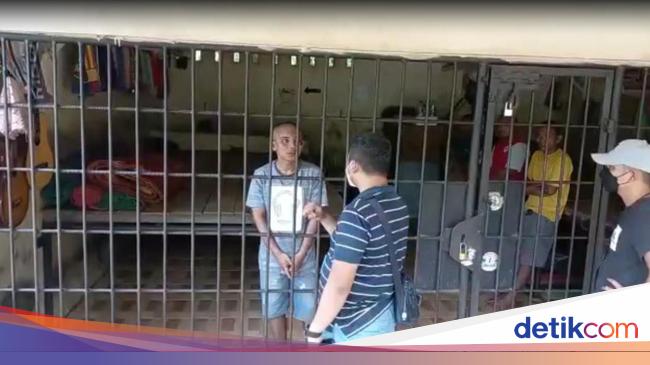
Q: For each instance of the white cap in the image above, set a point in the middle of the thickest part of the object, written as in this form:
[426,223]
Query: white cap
[633,153]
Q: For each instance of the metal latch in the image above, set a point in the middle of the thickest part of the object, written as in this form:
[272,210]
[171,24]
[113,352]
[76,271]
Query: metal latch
[465,241]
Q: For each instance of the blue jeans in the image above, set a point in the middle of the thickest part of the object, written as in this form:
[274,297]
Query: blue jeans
[385,323]
[279,295]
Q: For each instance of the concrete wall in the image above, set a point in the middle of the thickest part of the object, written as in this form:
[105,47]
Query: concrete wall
[609,33]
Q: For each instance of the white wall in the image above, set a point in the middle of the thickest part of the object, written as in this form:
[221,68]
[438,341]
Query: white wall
[608,33]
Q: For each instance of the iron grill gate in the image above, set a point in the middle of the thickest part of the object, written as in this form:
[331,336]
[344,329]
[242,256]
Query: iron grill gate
[191,261]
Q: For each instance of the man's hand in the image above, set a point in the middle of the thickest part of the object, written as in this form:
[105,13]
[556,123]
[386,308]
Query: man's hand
[285,263]
[312,211]
[613,284]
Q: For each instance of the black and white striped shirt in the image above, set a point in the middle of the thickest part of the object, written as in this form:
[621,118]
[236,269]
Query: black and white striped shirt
[359,239]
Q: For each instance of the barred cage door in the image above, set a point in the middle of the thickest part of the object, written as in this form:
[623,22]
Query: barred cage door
[558,117]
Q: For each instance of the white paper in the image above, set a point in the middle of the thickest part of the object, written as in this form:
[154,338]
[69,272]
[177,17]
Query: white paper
[282,209]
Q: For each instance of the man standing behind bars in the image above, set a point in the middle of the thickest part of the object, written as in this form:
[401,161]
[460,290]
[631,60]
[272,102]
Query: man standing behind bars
[549,175]
[289,261]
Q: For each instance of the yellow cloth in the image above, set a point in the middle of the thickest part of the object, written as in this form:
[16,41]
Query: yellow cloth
[550,173]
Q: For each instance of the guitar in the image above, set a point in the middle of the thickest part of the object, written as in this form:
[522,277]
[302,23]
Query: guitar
[18,182]
[43,156]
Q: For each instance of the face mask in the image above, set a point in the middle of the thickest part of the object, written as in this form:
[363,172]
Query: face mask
[610,183]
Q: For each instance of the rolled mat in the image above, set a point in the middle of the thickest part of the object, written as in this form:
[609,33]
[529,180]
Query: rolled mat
[151,187]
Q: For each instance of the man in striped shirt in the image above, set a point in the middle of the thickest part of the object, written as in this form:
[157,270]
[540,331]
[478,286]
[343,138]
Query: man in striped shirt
[356,279]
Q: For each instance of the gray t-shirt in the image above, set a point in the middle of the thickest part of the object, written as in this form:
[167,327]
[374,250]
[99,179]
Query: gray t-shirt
[313,189]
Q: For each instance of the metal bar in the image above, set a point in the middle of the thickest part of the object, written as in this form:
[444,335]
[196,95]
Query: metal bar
[268,214]
[137,186]
[193,184]
[505,194]
[165,185]
[243,210]
[347,128]
[462,295]
[561,185]
[541,198]
[83,173]
[295,197]
[111,242]
[320,167]
[219,187]
[398,145]
[575,204]
[57,172]
[376,102]
[422,164]
[642,103]
[445,182]
[211,291]
[523,199]
[32,177]
[10,230]
[610,116]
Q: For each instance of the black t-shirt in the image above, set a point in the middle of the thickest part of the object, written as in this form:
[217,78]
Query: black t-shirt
[629,242]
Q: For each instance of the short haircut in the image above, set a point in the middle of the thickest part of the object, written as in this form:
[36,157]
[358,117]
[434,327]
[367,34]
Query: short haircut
[283,124]
[554,127]
[372,151]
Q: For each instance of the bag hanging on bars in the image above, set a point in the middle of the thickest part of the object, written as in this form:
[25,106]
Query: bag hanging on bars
[407,300]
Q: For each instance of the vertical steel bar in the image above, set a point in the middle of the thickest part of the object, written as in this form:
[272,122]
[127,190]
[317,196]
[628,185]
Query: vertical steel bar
[462,296]
[8,162]
[84,242]
[270,184]
[531,113]
[506,195]
[423,161]
[137,185]
[476,274]
[541,198]
[219,185]
[579,183]
[398,145]
[377,84]
[165,185]
[347,127]
[560,187]
[642,103]
[193,186]
[111,243]
[57,171]
[609,121]
[295,197]
[243,210]
[32,177]
[320,167]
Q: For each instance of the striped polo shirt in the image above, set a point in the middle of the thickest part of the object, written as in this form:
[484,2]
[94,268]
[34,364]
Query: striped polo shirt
[359,239]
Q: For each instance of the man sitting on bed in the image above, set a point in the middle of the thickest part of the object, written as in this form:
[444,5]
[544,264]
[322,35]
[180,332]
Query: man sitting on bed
[290,263]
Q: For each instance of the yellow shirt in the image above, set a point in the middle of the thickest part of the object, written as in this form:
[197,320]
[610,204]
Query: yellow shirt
[552,176]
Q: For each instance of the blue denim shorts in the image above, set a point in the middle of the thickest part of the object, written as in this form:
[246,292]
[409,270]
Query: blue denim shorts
[279,295]
[385,323]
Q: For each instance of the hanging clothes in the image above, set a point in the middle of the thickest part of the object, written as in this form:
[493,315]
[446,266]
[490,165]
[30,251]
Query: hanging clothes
[17,116]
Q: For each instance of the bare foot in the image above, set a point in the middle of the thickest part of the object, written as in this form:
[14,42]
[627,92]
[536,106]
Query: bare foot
[503,302]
